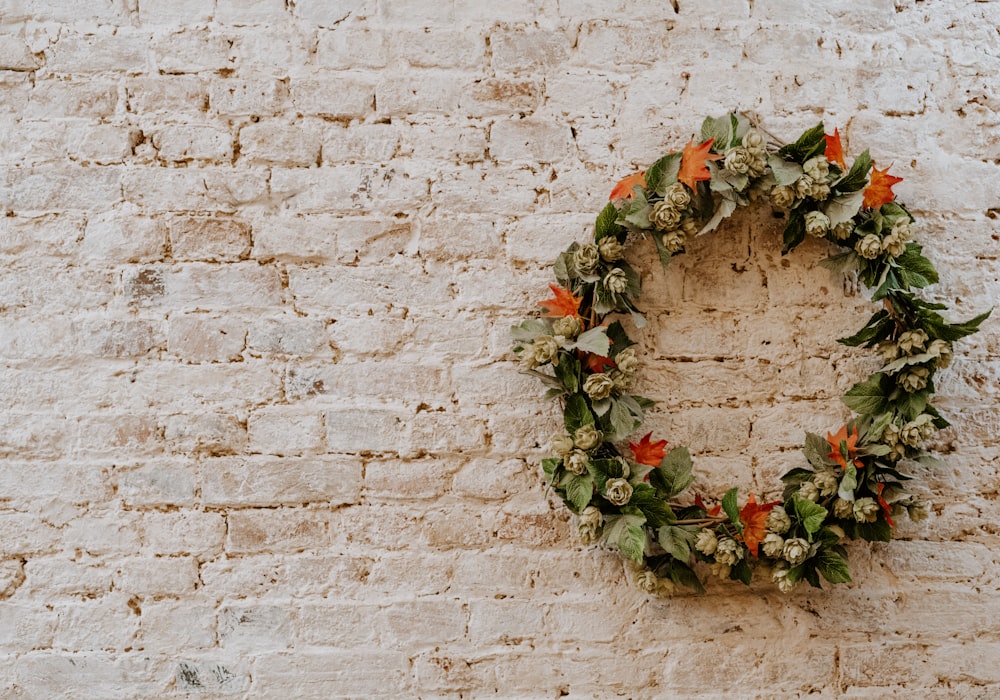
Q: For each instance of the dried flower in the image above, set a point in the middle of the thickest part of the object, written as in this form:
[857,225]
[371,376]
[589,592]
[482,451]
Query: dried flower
[827,482]
[869,247]
[754,140]
[778,520]
[610,249]
[598,386]
[902,230]
[674,241]
[843,509]
[618,491]
[627,360]
[646,581]
[911,434]
[779,575]
[721,570]
[587,437]
[665,216]
[589,524]
[894,245]
[678,195]
[586,258]
[843,230]
[576,462]
[739,160]
[783,196]
[729,551]
[866,510]
[941,349]
[911,341]
[562,445]
[616,281]
[707,542]
[817,224]
[795,551]
[809,491]
[773,545]
[888,350]
[817,168]
[567,327]
[914,379]
[918,511]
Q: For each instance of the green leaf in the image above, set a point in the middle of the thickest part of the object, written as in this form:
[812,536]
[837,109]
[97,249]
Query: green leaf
[878,531]
[627,533]
[720,129]
[577,414]
[785,172]
[549,467]
[741,572]
[620,422]
[844,207]
[635,213]
[914,269]
[857,176]
[579,489]
[848,483]
[655,509]
[870,397]
[795,230]
[726,206]
[595,340]
[674,473]
[663,173]
[682,574]
[677,540]
[953,331]
[562,267]
[568,373]
[843,262]
[729,505]
[912,405]
[817,450]
[878,327]
[832,566]
[796,476]
[810,144]
[618,337]
[530,329]
[902,362]
[810,514]
[606,223]
[661,250]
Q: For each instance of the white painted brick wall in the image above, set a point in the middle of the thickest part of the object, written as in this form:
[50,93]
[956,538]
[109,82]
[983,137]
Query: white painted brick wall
[261,435]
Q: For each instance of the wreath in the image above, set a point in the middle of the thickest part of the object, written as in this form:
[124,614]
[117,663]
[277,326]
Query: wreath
[851,484]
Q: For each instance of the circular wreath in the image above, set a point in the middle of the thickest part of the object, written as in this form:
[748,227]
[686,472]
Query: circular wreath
[851,482]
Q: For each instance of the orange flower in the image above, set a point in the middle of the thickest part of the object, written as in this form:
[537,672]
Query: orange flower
[886,508]
[754,518]
[693,158]
[623,190]
[849,441]
[834,149]
[563,304]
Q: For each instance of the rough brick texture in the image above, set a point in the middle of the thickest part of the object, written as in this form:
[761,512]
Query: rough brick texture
[261,436]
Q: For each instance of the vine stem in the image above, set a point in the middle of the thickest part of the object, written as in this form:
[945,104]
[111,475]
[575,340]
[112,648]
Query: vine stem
[701,521]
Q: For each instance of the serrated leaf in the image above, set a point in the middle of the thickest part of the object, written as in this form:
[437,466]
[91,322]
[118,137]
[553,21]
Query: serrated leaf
[627,532]
[661,251]
[725,208]
[530,329]
[620,421]
[870,397]
[878,531]
[810,514]
[656,510]
[844,207]
[795,231]
[600,407]
[675,471]
[832,566]
[878,328]
[550,465]
[843,262]
[914,269]
[912,405]
[785,172]
[636,213]
[729,505]
[720,129]
[568,373]
[595,340]
[741,572]
[817,450]
[682,574]
[857,176]
[605,225]
[663,173]
[577,414]
[579,489]
[811,143]
[677,540]
[902,362]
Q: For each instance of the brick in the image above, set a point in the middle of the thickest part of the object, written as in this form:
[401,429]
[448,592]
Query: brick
[290,335]
[53,673]
[201,338]
[248,97]
[192,51]
[147,577]
[243,12]
[103,51]
[189,624]
[183,189]
[209,238]
[276,530]
[187,143]
[255,627]
[155,12]
[285,430]
[267,143]
[211,434]
[340,95]
[529,140]
[69,98]
[262,481]
[350,46]
[15,54]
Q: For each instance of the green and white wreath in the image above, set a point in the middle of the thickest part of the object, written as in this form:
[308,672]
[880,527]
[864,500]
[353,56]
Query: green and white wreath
[631,495]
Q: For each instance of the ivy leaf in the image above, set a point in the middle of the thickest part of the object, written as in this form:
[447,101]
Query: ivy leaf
[870,397]
[579,489]
[832,566]
[811,514]
[577,414]
[627,533]
[729,505]
[677,540]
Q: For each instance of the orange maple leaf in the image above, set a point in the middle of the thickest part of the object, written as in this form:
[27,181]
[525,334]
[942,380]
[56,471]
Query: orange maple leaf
[713,511]
[693,158]
[596,363]
[623,190]
[754,519]
[563,304]
[834,149]
[879,190]
[850,440]
[886,508]
[649,453]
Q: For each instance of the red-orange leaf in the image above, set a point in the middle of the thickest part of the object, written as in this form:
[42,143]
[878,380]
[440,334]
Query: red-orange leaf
[623,190]
[649,453]
[834,149]
[563,304]
[693,158]
[596,363]
[879,190]
[754,518]
[886,508]
[713,511]
[849,440]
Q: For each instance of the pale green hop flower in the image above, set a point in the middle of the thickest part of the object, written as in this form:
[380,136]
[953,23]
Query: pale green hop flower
[729,551]
[827,482]
[678,196]
[665,216]
[706,542]
[866,510]
[610,249]
[778,520]
[918,511]
[562,445]
[586,258]
[795,551]
[616,281]
[589,524]
[567,327]
[843,509]
[780,576]
[809,491]
[618,491]
[576,462]
[914,379]
[587,437]
[647,582]
[843,230]
[940,349]
[912,341]
[869,247]
[627,360]
[773,545]
[674,241]
[598,386]
[817,224]
[783,196]
[739,160]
